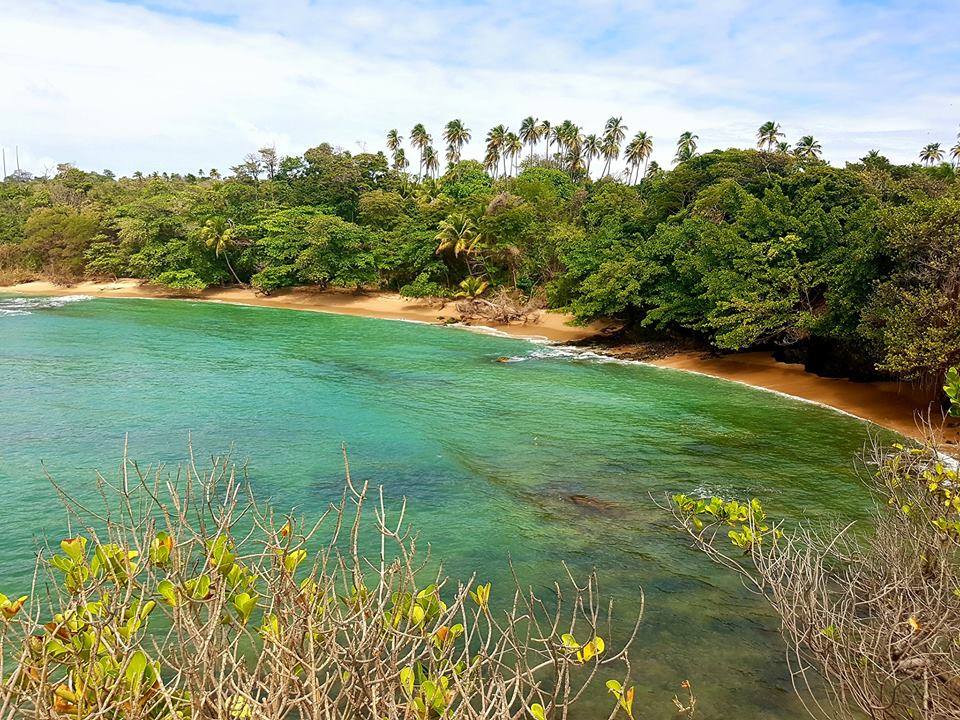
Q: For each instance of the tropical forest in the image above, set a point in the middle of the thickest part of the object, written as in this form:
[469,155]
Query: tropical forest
[479,360]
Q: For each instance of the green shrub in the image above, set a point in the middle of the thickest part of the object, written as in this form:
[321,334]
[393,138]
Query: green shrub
[187,599]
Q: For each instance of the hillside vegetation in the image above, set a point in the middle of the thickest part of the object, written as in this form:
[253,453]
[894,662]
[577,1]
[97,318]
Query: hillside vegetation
[856,269]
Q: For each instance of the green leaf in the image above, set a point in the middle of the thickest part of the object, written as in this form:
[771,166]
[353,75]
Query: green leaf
[293,559]
[168,592]
[139,671]
[75,548]
[245,604]
[406,680]
[198,588]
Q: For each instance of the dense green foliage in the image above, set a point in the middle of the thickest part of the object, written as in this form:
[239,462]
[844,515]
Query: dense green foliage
[743,248]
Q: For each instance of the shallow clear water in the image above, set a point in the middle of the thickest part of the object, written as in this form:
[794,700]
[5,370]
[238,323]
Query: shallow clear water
[487,453]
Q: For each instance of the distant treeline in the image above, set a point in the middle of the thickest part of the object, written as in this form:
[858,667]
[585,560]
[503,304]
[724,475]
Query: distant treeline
[857,269]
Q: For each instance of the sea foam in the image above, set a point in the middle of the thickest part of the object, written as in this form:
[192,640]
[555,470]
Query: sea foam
[28,305]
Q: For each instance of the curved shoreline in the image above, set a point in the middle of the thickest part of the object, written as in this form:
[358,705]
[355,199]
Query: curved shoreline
[895,406]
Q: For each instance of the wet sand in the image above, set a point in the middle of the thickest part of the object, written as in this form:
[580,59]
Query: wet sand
[898,406]
[893,405]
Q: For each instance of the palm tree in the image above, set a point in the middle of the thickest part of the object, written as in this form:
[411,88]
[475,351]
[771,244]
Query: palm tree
[613,134]
[569,141]
[491,161]
[220,234]
[769,135]
[555,138]
[400,162]
[573,141]
[420,139]
[955,152]
[431,161]
[496,140]
[529,132]
[807,148]
[931,154]
[457,135]
[591,149]
[686,146]
[394,141]
[513,146]
[544,131]
[472,287]
[783,147]
[638,151]
[457,233]
[645,147]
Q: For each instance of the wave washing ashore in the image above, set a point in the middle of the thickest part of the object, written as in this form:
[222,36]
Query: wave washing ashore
[893,405]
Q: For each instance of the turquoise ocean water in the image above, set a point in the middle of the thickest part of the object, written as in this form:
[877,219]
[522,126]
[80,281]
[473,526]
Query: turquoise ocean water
[488,455]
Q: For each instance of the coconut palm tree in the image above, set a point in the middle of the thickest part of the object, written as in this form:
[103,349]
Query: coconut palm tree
[613,134]
[394,140]
[783,147]
[591,149]
[931,154]
[544,131]
[644,147]
[420,139]
[573,159]
[569,142]
[529,132]
[456,135]
[491,160]
[807,148]
[636,153]
[558,136]
[686,146]
[513,146]
[458,234]
[955,152]
[431,161]
[220,234]
[496,139]
[768,135]
[400,162]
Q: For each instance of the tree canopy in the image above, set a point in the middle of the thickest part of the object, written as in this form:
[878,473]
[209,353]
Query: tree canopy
[742,248]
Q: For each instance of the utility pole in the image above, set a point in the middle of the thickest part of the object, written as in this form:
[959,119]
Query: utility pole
[4,152]
[16,149]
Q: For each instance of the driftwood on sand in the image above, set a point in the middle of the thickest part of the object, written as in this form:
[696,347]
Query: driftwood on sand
[501,307]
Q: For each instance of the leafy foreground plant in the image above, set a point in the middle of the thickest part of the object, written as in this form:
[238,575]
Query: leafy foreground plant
[872,618]
[182,597]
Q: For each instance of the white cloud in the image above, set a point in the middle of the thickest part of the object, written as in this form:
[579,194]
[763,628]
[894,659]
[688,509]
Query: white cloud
[112,85]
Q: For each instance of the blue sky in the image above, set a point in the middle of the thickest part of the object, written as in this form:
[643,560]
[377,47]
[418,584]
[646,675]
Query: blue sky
[176,85]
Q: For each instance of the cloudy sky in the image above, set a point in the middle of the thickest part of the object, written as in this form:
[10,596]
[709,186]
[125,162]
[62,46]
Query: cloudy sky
[177,85]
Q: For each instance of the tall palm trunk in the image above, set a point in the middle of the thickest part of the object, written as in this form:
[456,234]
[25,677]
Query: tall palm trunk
[226,258]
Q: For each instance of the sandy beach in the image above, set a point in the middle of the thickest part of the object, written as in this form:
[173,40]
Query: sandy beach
[386,305]
[892,405]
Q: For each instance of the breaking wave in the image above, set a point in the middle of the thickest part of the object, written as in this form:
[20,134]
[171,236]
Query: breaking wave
[567,352]
[25,306]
